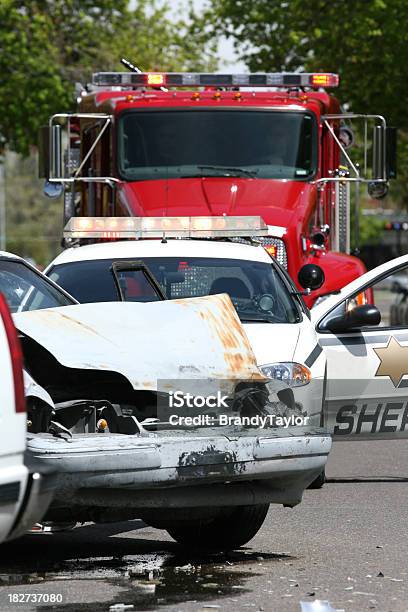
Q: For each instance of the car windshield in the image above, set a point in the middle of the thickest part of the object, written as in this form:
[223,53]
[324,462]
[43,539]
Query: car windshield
[256,288]
[24,289]
[193,143]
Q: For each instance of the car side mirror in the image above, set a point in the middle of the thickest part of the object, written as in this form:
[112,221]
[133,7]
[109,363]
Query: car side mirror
[360,316]
[311,277]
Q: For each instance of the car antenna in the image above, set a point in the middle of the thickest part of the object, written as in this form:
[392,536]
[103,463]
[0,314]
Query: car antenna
[134,68]
[129,65]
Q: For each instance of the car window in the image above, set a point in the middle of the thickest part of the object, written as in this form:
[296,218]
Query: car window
[24,289]
[389,294]
[256,288]
[391,298]
[135,286]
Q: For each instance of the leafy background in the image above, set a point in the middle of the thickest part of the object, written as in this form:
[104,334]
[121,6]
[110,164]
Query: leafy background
[49,45]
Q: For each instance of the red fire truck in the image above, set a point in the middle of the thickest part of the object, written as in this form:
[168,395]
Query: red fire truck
[189,144]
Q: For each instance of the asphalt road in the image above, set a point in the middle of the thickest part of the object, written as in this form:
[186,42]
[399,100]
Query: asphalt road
[346,543]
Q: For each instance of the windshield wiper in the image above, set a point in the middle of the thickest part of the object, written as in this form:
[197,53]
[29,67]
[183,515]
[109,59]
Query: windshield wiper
[254,320]
[230,170]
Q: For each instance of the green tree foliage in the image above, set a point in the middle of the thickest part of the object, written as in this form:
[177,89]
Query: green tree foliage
[365,42]
[48,45]
[33,221]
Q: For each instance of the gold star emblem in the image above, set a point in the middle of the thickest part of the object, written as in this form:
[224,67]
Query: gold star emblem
[394,361]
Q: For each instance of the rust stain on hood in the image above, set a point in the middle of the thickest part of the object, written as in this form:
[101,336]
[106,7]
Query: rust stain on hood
[227,325]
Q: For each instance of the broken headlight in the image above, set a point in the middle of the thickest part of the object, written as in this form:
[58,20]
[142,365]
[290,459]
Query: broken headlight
[288,372]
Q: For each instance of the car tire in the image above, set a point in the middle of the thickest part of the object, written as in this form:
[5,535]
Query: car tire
[225,532]
[318,481]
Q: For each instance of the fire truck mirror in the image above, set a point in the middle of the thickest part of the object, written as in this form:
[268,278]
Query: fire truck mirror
[55,152]
[391,152]
[377,190]
[311,277]
[346,137]
[53,190]
[378,173]
[50,152]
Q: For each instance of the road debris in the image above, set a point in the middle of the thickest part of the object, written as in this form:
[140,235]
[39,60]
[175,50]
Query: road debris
[318,605]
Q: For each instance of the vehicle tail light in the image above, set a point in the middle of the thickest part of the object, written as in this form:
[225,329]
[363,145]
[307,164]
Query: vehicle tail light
[15,354]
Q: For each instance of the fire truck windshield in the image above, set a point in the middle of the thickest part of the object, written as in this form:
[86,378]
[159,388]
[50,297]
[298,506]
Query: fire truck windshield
[204,142]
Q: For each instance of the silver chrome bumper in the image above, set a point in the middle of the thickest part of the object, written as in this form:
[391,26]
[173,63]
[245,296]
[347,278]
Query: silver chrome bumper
[160,464]
[37,497]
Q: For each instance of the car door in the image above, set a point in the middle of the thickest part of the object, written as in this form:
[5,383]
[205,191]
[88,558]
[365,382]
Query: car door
[367,357]
[13,473]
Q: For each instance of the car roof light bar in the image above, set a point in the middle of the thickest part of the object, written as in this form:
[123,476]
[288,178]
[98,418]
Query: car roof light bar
[171,227]
[197,79]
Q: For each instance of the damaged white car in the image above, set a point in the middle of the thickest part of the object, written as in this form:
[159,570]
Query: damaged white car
[101,383]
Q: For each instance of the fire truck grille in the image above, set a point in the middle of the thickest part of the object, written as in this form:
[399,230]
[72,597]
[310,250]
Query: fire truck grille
[276,248]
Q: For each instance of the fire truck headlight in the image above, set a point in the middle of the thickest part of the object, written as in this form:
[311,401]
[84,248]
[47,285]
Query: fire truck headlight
[288,372]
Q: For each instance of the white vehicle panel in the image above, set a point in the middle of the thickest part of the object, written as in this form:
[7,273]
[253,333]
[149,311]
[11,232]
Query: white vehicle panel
[156,248]
[7,411]
[13,473]
[273,342]
[364,397]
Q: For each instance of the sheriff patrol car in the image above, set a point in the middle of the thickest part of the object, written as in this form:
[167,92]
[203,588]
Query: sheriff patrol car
[364,334]
[359,334]
[270,307]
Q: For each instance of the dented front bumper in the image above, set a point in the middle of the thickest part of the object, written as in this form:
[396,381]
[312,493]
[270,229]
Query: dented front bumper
[182,470]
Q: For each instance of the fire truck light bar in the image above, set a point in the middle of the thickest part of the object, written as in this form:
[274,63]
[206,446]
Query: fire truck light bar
[196,79]
[156,227]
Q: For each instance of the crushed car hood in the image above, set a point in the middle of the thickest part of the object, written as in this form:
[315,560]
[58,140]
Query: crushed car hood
[198,338]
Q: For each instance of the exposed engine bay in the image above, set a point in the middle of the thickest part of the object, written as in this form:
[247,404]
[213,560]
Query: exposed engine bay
[82,401]
[64,401]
